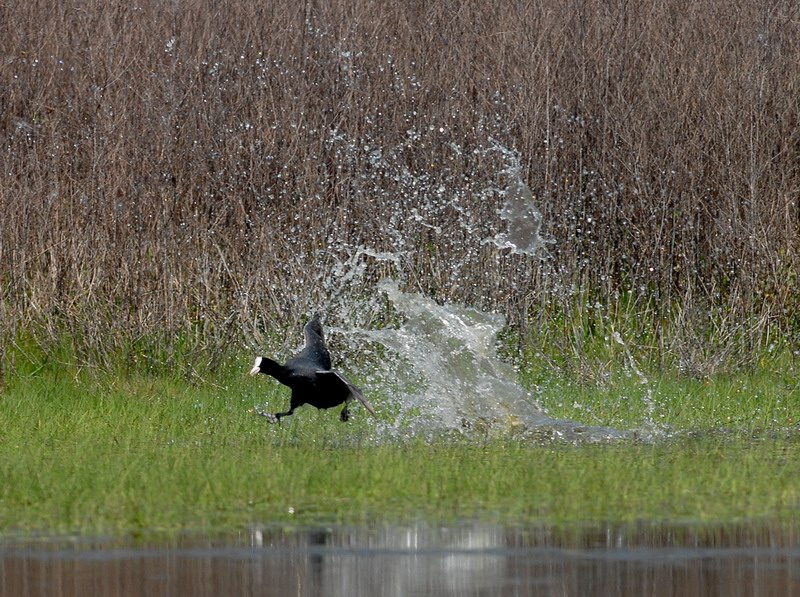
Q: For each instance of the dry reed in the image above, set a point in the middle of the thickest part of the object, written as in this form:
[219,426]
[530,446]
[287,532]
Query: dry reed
[190,172]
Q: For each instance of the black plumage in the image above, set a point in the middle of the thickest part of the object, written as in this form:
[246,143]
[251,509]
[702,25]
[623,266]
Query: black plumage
[310,377]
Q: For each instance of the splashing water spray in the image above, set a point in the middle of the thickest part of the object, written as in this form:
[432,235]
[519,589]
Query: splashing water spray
[436,365]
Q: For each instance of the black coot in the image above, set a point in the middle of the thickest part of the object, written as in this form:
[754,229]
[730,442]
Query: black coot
[310,377]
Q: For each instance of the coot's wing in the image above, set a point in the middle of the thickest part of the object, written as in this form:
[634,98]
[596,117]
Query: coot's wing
[313,331]
[354,391]
[315,349]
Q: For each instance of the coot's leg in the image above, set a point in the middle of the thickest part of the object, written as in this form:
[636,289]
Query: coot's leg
[278,416]
[297,401]
[345,413]
[274,418]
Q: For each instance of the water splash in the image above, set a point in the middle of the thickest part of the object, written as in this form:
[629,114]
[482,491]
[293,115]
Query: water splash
[649,428]
[436,363]
[524,221]
[448,374]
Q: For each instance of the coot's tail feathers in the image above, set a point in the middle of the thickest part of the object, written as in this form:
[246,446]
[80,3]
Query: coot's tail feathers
[354,391]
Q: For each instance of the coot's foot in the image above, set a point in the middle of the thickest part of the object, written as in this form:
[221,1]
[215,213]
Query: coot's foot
[269,416]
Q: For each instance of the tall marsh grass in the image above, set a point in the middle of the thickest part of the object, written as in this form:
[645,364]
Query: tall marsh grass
[180,176]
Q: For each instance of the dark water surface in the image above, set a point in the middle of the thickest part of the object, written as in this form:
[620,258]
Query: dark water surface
[420,560]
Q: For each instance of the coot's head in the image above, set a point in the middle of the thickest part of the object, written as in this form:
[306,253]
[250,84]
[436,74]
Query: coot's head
[257,366]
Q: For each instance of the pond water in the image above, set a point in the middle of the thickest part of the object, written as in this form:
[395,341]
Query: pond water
[486,560]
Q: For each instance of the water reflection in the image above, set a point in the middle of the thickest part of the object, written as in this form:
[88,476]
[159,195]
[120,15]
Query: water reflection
[474,560]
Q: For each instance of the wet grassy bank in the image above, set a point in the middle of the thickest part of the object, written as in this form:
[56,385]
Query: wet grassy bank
[140,454]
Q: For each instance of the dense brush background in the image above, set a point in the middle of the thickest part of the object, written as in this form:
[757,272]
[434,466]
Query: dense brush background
[179,176]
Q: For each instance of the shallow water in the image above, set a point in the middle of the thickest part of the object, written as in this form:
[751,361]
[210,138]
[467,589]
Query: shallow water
[419,560]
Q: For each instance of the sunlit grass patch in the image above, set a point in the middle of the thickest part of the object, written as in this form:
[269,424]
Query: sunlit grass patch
[142,454]
[745,402]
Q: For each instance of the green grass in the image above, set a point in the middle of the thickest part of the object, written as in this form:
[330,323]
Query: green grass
[138,454]
[736,403]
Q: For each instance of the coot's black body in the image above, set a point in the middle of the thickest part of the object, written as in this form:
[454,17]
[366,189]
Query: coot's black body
[310,377]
